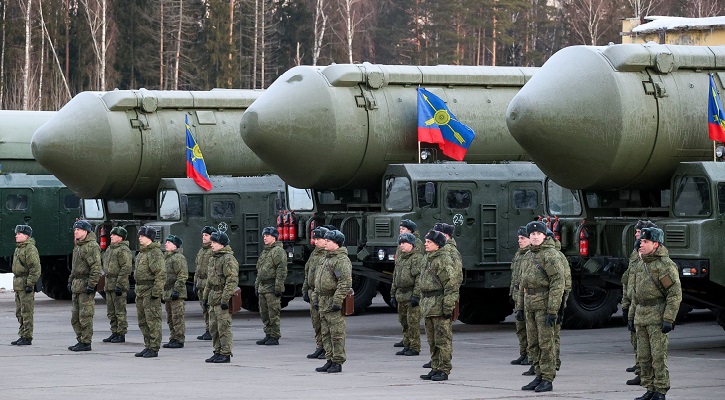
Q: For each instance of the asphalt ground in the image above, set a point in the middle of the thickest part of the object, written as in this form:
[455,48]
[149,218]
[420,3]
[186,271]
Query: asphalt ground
[594,361]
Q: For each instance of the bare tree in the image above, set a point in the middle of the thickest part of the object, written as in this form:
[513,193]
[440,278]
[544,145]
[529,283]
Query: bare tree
[95,12]
[319,28]
[643,8]
[177,54]
[230,57]
[255,49]
[26,67]
[704,8]
[588,20]
[345,8]
[2,58]
[55,56]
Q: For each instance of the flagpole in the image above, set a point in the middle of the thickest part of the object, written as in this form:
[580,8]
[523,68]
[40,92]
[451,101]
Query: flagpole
[714,151]
[419,152]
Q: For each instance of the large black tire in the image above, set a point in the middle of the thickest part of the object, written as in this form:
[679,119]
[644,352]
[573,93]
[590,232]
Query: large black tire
[682,313]
[384,289]
[365,290]
[484,306]
[590,306]
[719,315]
[250,302]
[55,286]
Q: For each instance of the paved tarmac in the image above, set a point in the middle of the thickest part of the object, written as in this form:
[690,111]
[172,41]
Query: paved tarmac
[594,361]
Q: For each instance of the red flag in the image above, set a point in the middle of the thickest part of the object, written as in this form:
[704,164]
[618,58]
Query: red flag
[715,117]
[195,166]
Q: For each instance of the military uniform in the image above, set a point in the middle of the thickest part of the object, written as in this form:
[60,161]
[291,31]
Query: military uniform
[627,301]
[26,272]
[516,264]
[406,292]
[222,280]
[271,274]
[333,281]
[452,248]
[150,275]
[203,257]
[177,272]
[84,276]
[564,299]
[118,263]
[656,295]
[308,287]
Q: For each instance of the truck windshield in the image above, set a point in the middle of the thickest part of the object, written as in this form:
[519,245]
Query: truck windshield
[169,205]
[299,199]
[692,196]
[93,208]
[562,201]
[398,196]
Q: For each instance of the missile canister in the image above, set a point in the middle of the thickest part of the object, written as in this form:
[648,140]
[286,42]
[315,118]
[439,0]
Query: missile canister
[16,131]
[340,126]
[119,144]
[619,116]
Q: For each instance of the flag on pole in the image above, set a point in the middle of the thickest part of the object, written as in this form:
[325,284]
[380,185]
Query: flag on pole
[437,124]
[195,166]
[715,114]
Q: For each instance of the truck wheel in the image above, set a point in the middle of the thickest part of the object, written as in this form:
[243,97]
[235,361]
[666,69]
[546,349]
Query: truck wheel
[590,306]
[56,287]
[249,299]
[682,313]
[365,290]
[384,289]
[719,315]
[484,306]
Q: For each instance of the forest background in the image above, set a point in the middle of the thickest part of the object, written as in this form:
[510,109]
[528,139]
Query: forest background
[51,50]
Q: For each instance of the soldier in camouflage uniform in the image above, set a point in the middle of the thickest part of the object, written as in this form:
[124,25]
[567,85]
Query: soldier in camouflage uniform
[203,257]
[118,264]
[223,279]
[82,283]
[540,295]
[439,291]
[308,287]
[26,271]
[269,286]
[656,295]
[521,254]
[408,226]
[452,248]
[333,281]
[177,272]
[405,293]
[149,275]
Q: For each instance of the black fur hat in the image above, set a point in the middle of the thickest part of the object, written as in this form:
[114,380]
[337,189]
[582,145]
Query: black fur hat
[208,230]
[522,231]
[653,234]
[220,237]
[119,231]
[148,231]
[271,230]
[26,229]
[536,226]
[319,232]
[643,223]
[175,240]
[406,223]
[444,228]
[436,237]
[336,236]
[83,224]
[406,238]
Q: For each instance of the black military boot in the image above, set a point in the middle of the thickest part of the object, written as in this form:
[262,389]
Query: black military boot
[518,360]
[176,345]
[15,342]
[81,347]
[647,396]
[429,375]
[658,396]
[399,344]
[141,353]
[530,372]
[261,342]
[110,338]
[632,368]
[151,354]
[316,353]
[322,355]
[24,342]
[533,384]
[223,359]
[426,365]
[325,367]
[166,345]
[525,361]
[544,386]
[212,358]
[411,352]
[635,381]
[272,341]
[119,339]
[72,347]
[440,376]
[205,336]
[402,352]
[334,368]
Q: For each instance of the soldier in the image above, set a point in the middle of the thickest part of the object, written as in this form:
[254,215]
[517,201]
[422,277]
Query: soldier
[202,267]
[564,298]
[223,279]
[82,283]
[177,273]
[405,293]
[408,226]
[150,277]
[308,286]
[439,290]
[118,263]
[269,286]
[333,281]
[516,262]
[26,271]
[656,295]
[540,294]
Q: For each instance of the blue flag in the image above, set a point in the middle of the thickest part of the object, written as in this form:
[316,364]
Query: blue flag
[715,115]
[195,166]
[437,124]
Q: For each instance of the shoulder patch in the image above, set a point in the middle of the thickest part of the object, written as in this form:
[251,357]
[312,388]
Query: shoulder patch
[666,281]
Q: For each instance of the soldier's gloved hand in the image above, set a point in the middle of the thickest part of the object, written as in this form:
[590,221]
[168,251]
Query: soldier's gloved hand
[550,319]
[195,290]
[394,303]
[205,305]
[511,301]
[625,315]
[559,319]
[447,316]
[70,288]
[306,297]
[414,301]
[667,326]
[28,289]
[174,295]
[90,289]
[118,291]
[278,294]
[335,307]
[520,315]
[630,325]
[256,291]
[316,305]
[224,305]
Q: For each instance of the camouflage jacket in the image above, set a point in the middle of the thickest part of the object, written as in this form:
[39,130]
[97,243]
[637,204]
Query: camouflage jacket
[405,276]
[315,260]
[333,280]
[452,248]
[86,263]
[655,289]
[626,295]
[271,269]
[177,272]
[438,286]
[223,277]
[118,264]
[516,262]
[203,258]
[418,247]
[543,278]
[26,265]
[150,269]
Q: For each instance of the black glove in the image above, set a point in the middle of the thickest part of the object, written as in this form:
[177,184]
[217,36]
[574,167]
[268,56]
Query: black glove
[394,303]
[28,289]
[414,301]
[196,290]
[625,315]
[317,306]
[205,305]
[90,289]
[630,325]
[278,294]
[224,305]
[550,319]
[118,291]
[174,295]
[256,292]
[559,319]
[306,297]
[520,315]
[335,307]
[667,326]
[511,301]
[70,288]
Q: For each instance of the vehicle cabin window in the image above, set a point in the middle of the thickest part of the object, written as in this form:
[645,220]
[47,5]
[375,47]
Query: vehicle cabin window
[223,209]
[398,196]
[692,196]
[93,209]
[300,199]
[458,199]
[721,198]
[71,202]
[526,199]
[195,206]
[169,208]
[562,201]
[422,202]
[16,202]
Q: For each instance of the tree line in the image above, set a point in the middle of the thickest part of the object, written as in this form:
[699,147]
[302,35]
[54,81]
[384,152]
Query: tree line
[51,50]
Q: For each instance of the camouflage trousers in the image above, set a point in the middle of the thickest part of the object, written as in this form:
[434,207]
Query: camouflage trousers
[541,340]
[652,357]
[83,308]
[557,345]
[205,313]
[116,312]
[24,307]
[316,324]
[220,328]
[149,321]
[521,335]
[269,309]
[333,335]
[175,319]
[439,332]
[409,318]
[633,340]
